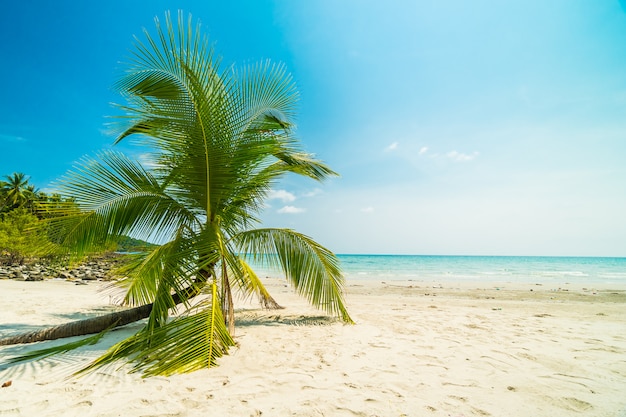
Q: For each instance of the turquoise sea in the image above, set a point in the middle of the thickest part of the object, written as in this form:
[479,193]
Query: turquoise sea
[531,269]
[521,269]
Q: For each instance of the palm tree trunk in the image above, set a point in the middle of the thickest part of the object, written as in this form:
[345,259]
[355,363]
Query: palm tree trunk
[230,314]
[101,323]
[228,309]
[81,327]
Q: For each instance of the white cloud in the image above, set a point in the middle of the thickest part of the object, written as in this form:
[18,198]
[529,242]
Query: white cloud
[392,147]
[313,193]
[461,157]
[453,155]
[147,160]
[291,210]
[283,195]
[11,138]
[369,209]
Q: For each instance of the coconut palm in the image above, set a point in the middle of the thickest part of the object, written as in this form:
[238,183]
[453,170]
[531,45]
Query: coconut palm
[218,141]
[16,191]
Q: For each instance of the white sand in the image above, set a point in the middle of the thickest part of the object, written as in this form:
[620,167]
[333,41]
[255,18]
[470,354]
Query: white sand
[416,351]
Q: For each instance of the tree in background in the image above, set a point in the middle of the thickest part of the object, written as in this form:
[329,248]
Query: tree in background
[18,240]
[19,237]
[16,192]
[220,139]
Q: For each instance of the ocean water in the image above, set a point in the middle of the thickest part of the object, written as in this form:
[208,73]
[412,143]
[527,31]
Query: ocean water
[523,269]
[520,269]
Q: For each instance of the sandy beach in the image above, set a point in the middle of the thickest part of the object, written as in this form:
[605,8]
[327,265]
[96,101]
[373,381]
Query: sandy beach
[418,349]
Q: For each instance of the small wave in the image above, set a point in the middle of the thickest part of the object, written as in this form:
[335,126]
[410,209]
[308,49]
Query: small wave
[616,275]
[561,274]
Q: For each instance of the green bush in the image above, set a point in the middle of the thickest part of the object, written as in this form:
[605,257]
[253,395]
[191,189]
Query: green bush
[19,239]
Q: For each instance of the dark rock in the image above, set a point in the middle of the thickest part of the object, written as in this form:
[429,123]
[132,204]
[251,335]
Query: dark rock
[34,278]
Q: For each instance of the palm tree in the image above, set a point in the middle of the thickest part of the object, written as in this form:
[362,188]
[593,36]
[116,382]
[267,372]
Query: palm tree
[219,140]
[16,191]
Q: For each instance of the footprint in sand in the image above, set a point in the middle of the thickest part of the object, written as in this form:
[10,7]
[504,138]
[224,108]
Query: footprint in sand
[460,399]
[575,404]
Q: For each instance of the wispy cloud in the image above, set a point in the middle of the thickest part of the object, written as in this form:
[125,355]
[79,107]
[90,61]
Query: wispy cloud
[282,195]
[392,147]
[313,193]
[368,209]
[291,210]
[453,155]
[11,138]
[461,157]
[147,160]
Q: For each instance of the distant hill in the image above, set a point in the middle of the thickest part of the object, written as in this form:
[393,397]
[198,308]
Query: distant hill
[128,244]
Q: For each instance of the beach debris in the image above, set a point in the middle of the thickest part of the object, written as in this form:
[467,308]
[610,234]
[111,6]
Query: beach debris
[7,384]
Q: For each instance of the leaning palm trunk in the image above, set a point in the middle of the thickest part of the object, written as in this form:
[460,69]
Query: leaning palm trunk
[82,327]
[100,323]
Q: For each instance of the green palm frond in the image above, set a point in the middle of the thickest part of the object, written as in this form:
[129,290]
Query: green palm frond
[248,281]
[117,197]
[190,342]
[303,164]
[170,263]
[60,349]
[269,96]
[312,269]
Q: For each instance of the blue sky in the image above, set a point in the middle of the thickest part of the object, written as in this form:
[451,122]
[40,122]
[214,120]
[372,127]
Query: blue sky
[478,128]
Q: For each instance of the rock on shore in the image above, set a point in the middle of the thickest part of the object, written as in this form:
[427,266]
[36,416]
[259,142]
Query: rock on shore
[94,269]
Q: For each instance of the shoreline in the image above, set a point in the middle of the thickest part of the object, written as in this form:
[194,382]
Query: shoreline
[418,349]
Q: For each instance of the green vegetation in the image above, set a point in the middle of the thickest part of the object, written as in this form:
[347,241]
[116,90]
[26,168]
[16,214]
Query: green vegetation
[16,193]
[16,244]
[220,139]
[20,216]
[23,222]
[128,244]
